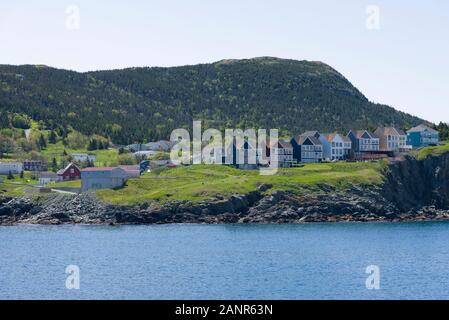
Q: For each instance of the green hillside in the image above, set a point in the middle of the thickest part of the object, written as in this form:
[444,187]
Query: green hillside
[140,104]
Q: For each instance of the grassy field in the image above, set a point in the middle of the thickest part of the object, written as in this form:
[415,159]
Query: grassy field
[424,152]
[103,157]
[17,186]
[202,182]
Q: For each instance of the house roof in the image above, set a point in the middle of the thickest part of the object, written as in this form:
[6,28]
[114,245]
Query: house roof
[311,133]
[61,171]
[10,162]
[130,168]
[302,139]
[389,131]
[421,128]
[281,144]
[359,133]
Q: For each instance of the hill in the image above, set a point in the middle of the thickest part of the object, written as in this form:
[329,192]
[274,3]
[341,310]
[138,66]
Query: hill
[138,104]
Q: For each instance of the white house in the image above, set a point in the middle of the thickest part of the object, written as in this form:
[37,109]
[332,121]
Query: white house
[335,146]
[47,177]
[13,167]
[83,157]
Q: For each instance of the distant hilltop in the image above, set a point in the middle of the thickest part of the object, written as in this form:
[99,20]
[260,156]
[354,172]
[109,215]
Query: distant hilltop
[134,104]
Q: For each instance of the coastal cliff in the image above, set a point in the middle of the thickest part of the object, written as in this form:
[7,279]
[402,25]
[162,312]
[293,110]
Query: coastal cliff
[411,190]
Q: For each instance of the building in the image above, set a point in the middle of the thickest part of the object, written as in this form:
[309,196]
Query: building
[306,148]
[34,165]
[162,145]
[47,177]
[11,167]
[83,157]
[364,141]
[422,136]
[104,178]
[136,147]
[70,172]
[132,170]
[392,139]
[283,153]
[335,146]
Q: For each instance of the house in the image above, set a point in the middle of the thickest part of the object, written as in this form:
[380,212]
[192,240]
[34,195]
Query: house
[422,136]
[245,158]
[83,157]
[70,172]
[162,145]
[34,165]
[135,147]
[13,167]
[283,153]
[47,177]
[104,178]
[335,146]
[132,170]
[306,148]
[364,141]
[392,139]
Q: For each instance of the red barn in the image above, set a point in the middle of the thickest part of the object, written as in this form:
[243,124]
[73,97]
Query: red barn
[71,172]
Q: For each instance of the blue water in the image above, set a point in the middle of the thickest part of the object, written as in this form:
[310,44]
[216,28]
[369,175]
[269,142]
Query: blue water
[313,261]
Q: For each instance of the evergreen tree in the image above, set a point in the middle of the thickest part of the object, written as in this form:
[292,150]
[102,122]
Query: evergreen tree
[54,165]
[52,137]
[42,143]
[92,145]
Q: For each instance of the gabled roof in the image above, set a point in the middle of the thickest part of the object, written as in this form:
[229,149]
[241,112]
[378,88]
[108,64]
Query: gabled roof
[61,171]
[359,134]
[311,133]
[284,144]
[422,127]
[389,131]
[312,139]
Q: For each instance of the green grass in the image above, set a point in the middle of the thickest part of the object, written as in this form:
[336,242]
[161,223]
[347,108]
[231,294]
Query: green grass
[103,157]
[427,151]
[17,186]
[201,182]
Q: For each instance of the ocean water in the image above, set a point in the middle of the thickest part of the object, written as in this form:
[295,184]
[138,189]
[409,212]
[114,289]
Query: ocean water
[312,261]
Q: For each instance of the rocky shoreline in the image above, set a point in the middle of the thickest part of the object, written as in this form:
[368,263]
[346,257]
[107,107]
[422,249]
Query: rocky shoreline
[413,190]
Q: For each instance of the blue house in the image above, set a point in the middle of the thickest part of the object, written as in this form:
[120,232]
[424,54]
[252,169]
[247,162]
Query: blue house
[422,136]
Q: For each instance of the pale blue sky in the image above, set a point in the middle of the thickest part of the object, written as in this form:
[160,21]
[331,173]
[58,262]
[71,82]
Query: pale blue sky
[403,64]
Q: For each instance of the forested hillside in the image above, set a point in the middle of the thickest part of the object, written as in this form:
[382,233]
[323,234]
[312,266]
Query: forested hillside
[139,104]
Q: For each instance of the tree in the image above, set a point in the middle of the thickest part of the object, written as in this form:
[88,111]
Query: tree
[42,143]
[54,165]
[92,145]
[10,176]
[7,145]
[21,121]
[21,174]
[52,137]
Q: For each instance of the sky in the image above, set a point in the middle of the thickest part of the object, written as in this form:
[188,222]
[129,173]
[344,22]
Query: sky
[394,51]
